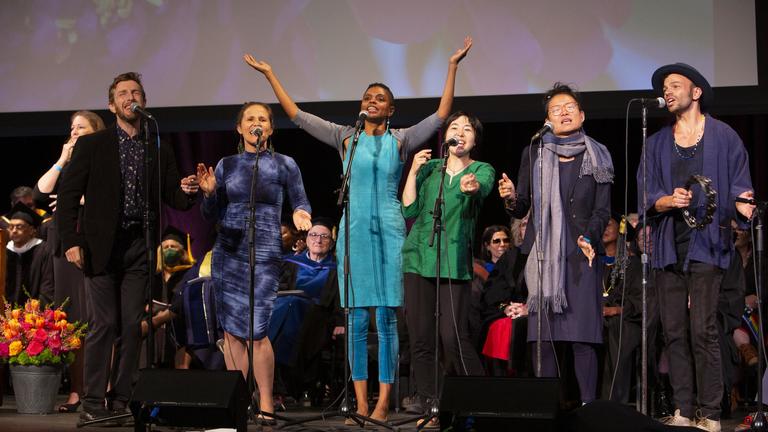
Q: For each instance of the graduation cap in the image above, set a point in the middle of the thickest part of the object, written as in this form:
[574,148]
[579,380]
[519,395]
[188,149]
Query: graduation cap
[173,233]
[22,212]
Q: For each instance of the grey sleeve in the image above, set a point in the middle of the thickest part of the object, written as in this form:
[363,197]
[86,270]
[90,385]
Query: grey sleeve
[413,137]
[325,131]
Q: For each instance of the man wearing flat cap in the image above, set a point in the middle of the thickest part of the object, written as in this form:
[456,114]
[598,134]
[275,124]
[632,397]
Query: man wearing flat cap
[690,262]
[29,269]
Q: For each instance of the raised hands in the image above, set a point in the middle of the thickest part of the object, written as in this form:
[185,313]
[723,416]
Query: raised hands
[461,52]
[206,180]
[260,66]
[419,159]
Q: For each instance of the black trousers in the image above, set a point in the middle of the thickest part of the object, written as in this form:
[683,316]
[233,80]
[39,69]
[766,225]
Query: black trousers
[459,355]
[691,336]
[114,306]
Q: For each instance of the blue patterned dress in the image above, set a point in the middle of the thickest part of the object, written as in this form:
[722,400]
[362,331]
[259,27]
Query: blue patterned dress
[278,177]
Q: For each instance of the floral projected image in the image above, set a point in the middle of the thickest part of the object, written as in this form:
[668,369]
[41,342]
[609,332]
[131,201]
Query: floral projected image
[35,335]
[190,51]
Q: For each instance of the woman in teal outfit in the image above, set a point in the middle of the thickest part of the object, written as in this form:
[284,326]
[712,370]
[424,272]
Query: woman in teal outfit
[377,228]
[467,183]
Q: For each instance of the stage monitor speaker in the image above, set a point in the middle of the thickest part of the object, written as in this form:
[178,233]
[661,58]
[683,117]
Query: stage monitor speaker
[190,398]
[491,403]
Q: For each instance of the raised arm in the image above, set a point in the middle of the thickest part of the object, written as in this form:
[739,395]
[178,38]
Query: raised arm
[290,107]
[47,183]
[446,100]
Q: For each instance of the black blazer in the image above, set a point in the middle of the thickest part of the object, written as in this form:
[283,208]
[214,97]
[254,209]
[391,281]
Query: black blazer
[94,171]
[587,207]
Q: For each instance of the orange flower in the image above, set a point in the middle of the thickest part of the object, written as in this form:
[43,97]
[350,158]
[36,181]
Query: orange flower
[29,318]
[74,342]
[14,348]
[9,334]
[60,325]
[59,315]
[39,323]
[14,324]
[34,305]
[16,313]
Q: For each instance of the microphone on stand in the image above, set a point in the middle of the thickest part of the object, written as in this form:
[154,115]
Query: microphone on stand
[658,102]
[135,107]
[544,129]
[451,142]
[256,131]
[361,119]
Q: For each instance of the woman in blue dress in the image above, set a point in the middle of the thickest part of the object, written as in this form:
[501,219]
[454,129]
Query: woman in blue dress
[377,227]
[227,197]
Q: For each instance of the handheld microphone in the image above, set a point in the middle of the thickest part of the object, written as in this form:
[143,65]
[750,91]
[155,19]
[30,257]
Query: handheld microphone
[658,102]
[361,119]
[544,129]
[135,107]
[256,131]
[450,142]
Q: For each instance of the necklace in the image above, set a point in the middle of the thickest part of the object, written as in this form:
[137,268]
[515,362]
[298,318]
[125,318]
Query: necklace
[690,152]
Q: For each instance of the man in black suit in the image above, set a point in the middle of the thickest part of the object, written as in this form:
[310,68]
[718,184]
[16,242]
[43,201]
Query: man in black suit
[107,243]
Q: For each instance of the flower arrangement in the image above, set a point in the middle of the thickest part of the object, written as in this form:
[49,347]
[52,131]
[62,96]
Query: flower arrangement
[35,336]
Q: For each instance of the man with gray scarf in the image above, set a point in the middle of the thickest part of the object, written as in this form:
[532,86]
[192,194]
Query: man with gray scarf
[571,198]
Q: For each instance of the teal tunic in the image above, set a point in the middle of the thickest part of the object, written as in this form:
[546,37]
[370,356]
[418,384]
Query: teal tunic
[377,228]
[460,213]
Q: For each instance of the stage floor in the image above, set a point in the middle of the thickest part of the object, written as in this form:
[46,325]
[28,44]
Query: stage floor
[12,422]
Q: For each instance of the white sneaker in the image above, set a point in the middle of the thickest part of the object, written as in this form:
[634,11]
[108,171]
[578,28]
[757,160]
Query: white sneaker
[678,420]
[708,424]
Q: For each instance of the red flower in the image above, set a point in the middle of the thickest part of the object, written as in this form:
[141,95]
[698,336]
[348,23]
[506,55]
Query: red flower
[54,342]
[40,335]
[35,348]
[48,314]
[3,350]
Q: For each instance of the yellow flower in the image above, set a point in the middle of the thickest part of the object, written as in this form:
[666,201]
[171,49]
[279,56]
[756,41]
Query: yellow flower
[74,342]
[14,348]
[16,313]
[34,304]
[39,322]
[29,318]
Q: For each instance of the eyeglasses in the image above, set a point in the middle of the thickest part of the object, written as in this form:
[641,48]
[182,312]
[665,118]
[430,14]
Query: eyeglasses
[558,109]
[500,240]
[317,236]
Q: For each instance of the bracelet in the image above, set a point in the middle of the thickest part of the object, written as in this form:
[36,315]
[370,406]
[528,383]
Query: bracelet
[57,167]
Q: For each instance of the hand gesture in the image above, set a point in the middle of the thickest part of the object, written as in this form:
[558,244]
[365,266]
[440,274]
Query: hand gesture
[302,220]
[189,185]
[75,256]
[66,151]
[744,208]
[586,248]
[469,184]
[506,187]
[337,331]
[420,159]
[206,180]
[461,52]
[681,198]
[260,66]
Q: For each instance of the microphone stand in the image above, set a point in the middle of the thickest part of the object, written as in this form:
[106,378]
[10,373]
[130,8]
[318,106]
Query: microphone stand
[539,251]
[251,284]
[345,410]
[759,420]
[437,231]
[644,262]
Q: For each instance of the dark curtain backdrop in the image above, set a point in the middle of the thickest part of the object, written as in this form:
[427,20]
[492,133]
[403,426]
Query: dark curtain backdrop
[24,159]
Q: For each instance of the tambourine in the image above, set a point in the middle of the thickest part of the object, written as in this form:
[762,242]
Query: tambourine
[710,194]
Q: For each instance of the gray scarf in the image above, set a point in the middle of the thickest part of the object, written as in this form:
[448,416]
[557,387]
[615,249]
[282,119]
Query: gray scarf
[597,163]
